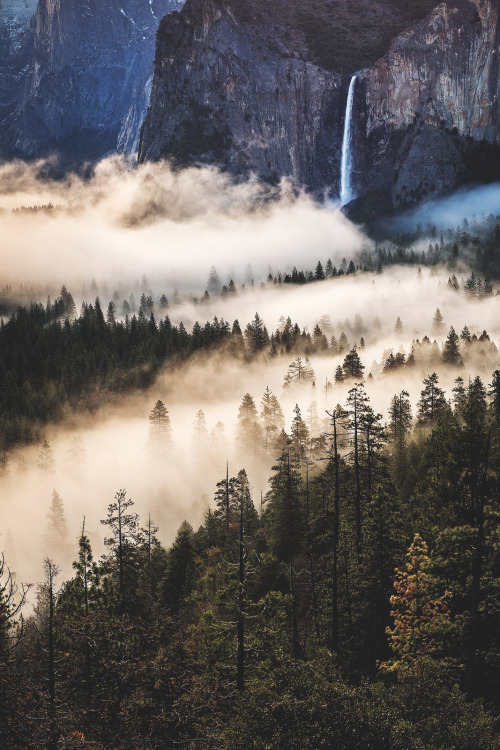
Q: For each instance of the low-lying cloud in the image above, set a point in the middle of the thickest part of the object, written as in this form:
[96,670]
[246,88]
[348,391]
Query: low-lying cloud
[124,222]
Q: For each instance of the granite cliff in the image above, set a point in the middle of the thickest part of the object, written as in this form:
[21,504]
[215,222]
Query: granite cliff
[237,85]
[237,89]
[16,41]
[428,112]
[86,87]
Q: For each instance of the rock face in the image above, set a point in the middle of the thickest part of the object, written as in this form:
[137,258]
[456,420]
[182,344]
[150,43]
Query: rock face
[86,89]
[237,90]
[428,113]
[16,39]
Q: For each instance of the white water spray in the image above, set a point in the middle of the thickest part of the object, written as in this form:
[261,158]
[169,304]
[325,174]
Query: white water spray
[346,193]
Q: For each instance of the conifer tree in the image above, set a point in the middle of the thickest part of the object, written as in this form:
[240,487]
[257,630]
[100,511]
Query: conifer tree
[437,323]
[46,461]
[432,401]
[400,416]
[451,351]
[56,535]
[299,372]
[249,433]
[352,366]
[420,617]
[299,434]
[200,434]
[123,544]
[285,520]
[178,578]
[319,273]
[256,334]
[160,431]
[272,419]
[356,409]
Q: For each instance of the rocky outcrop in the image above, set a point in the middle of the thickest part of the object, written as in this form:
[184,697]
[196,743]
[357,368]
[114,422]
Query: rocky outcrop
[428,113]
[86,89]
[237,90]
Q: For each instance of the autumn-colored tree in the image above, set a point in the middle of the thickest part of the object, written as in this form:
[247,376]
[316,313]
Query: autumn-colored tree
[420,616]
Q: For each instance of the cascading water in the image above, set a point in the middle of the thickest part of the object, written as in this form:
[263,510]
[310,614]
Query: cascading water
[346,193]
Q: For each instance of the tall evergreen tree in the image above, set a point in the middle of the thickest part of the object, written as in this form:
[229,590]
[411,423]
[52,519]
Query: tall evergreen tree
[352,366]
[179,576]
[432,401]
[249,433]
[299,372]
[160,431]
[123,544]
[56,534]
[451,350]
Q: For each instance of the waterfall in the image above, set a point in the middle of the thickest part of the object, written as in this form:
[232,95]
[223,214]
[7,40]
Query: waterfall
[346,193]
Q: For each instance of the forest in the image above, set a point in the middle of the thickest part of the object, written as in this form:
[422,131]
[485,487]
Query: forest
[259,509]
[354,606]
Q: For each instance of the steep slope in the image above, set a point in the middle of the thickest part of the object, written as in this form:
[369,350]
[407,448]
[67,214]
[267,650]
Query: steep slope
[428,112]
[86,90]
[244,85]
[233,87]
[16,35]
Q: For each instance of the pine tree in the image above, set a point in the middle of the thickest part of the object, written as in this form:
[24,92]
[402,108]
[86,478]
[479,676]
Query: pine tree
[420,618]
[179,576]
[494,394]
[12,600]
[226,501]
[214,285]
[352,366]
[299,434]
[45,613]
[286,523]
[256,334]
[123,543]
[160,431]
[272,419]
[437,323]
[56,535]
[248,433]
[319,273]
[451,351]
[110,314]
[200,434]
[46,458]
[68,302]
[432,401]
[357,407]
[299,372]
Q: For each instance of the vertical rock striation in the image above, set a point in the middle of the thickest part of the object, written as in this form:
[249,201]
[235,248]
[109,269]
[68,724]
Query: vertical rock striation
[236,85]
[428,112]
[236,89]
[16,41]
[87,85]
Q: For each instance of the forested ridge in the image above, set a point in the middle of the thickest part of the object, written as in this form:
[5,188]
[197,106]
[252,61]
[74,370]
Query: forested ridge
[55,362]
